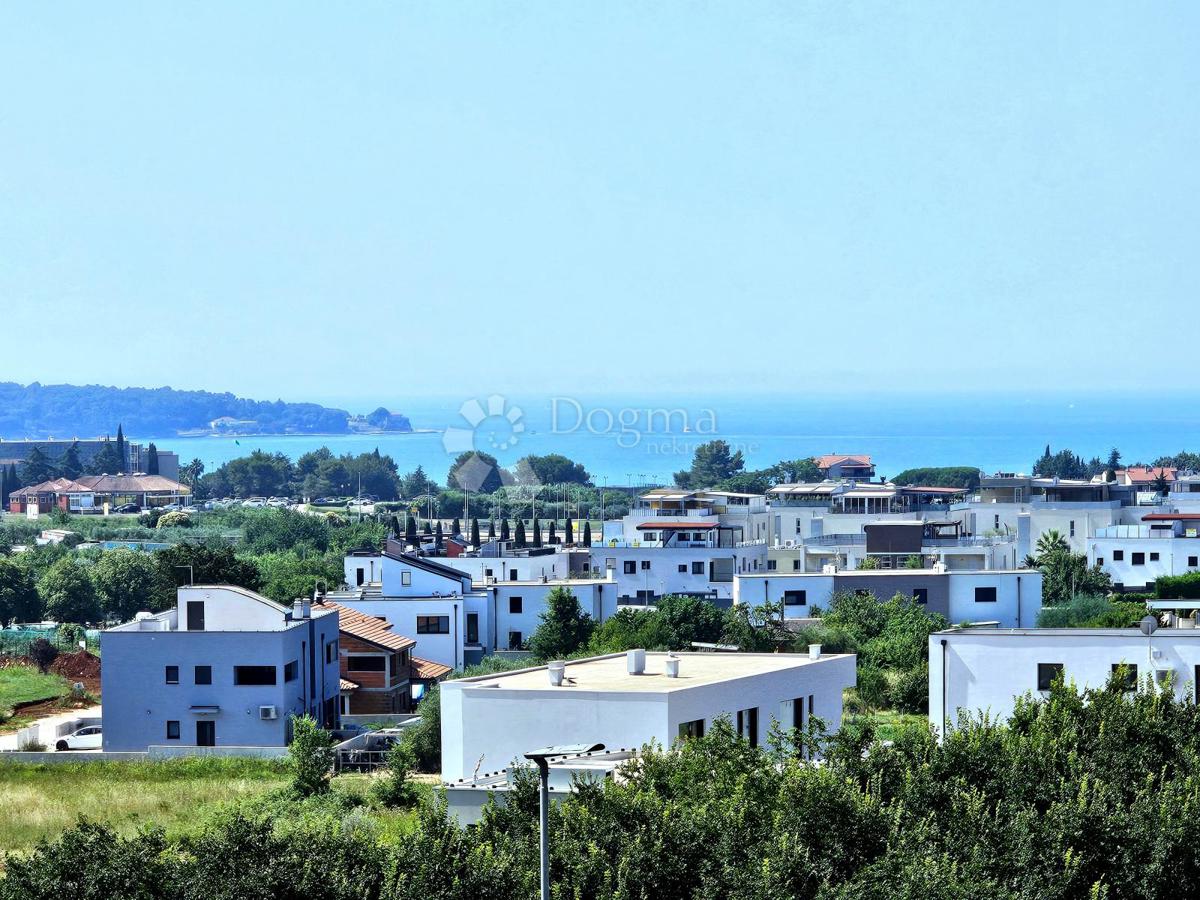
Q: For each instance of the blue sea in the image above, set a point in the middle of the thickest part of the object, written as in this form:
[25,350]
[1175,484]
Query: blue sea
[644,439]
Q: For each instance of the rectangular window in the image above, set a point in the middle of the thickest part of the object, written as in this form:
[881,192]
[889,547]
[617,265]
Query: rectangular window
[331,652]
[1118,555]
[365,663]
[747,725]
[771,564]
[291,671]
[921,595]
[1193,561]
[795,565]
[985,595]
[172,674]
[683,568]
[515,639]
[487,573]
[472,628]
[798,713]
[406,577]
[1072,528]
[698,568]
[795,598]
[1047,672]
[172,730]
[692,729]
[433,624]
[996,524]
[1153,557]
[1130,673]
[361,576]
[630,567]
[203,674]
[195,615]
[512,575]
[254,675]
[649,536]
[1137,559]
[645,565]
[514,605]
[1100,561]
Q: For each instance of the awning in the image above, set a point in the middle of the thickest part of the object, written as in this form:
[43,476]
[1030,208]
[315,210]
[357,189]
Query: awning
[1171,517]
[685,526]
[206,710]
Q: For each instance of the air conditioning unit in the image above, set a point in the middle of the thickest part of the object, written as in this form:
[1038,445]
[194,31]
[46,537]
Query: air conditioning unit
[267,713]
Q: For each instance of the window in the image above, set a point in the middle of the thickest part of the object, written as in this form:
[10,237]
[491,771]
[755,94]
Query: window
[1118,555]
[472,628]
[203,674]
[649,536]
[172,674]
[172,730]
[1137,559]
[683,568]
[406,577]
[1153,557]
[433,624]
[331,652]
[195,615]
[1047,672]
[1100,560]
[771,564]
[747,725]
[291,671]
[692,729]
[921,595]
[514,605]
[795,598]
[630,567]
[512,575]
[253,675]
[996,524]
[366,663]
[360,577]
[487,573]
[514,640]
[645,565]
[795,565]
[985,595]
[1129,671]
[698,568]
[1193,561]
[1072,526]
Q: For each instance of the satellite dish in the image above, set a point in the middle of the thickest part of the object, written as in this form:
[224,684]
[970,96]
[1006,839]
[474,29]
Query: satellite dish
[1148,625]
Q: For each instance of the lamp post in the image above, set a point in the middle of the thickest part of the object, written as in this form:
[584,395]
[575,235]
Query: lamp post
[541,759]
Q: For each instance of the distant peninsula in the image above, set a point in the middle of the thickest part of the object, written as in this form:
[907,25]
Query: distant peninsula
[67,410]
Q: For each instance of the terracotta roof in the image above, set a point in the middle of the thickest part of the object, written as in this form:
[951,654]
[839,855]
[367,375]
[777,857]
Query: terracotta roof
[1145,475]
[54,486]
[667,526]
[1171,517]
[371,629]
[427,670]
[345,684]
[832,459]
[129,484]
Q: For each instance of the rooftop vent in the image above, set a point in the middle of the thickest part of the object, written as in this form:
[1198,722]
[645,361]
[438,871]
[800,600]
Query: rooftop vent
[635,660]
[556,670]
[672,664]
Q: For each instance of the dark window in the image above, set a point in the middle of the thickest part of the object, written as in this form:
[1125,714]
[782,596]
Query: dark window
[514,640]
[195,615]
[291,671]
[795,565]
[1153,557]
[1118,555]
[206,734]
[487,573]
[649,536]
[985,595]
[1130,673]
[693,729]
[811,698]
[1100,560]
[1194,561]
[254,675]
[514,605]
[630,567]
[795,598]
[683,568]
[172,730]
[472,628]
[406,577]
[645,565]
[172,674]
[433,624]
[798,713]
[1047,672]
[698,568]
[747,725]
[331,652]
[1072,528]
[771,564]
[365,663]
[203,674]
[512,575]
[921,595]
[645,596]
[1137,559]
[361,576]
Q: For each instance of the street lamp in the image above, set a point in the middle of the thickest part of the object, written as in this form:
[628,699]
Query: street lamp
[541,757]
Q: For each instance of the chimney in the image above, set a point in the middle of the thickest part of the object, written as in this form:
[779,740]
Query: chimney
[297,610]
[306,608]
[814,651]
[635,660]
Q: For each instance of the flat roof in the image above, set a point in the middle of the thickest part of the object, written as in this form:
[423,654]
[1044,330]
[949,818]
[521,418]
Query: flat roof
[885,573]
[1134,632]
[667,526]
[610,673]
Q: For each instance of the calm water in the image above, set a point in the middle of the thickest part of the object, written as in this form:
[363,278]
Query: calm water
[644,440]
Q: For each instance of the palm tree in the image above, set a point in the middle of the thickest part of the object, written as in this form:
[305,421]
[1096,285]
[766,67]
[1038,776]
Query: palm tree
[1051,542]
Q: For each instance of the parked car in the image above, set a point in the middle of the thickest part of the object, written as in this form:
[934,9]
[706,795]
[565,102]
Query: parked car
[88,738]
[128,508]
[254,503]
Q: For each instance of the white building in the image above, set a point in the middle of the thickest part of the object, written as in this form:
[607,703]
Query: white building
[731,517]
[1135,556]
[984,669]
[1012,597]
[646,572]
[224,667]
[488,722]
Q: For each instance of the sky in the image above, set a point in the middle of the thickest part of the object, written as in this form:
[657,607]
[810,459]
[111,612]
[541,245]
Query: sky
[313,201]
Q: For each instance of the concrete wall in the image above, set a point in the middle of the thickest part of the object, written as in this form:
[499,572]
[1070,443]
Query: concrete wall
[402,613]
[1175,556]
[663,576]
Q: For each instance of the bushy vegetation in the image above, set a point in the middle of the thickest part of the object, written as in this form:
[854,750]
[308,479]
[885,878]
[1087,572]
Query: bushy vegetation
[1088,795]
[1092,611]
[940,476]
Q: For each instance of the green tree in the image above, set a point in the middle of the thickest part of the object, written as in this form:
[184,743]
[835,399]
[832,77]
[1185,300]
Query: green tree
[410,530]
[310,757]
[288,575]
[475,532]
[107,461]
[19,599]
[550,536]
[188,562]
[397,789]
[563,627]
[68,594]
[36,468]
[69,466]
[795,471]
[504,535]
[519,540]
[268,530]
[416,484]
[554,468]
[191,473]
[438,537]
[966,477]
[587,533]
[455,527]
[152,459]
[476,472]
[712,464]
[537,532]
[569,533]
[128,582]
[122,451]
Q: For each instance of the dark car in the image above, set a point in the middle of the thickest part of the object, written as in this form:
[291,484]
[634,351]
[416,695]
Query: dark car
[128,508]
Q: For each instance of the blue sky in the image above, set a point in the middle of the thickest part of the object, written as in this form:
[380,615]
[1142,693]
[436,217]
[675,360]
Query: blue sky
[319,200]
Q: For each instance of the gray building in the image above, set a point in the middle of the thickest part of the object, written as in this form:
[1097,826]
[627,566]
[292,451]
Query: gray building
[224,668]
[136,454]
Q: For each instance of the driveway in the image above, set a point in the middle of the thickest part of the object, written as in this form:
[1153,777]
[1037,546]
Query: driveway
[47,725]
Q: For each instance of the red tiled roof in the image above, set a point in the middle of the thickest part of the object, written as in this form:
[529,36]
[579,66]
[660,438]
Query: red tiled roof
[371,629]
[1144,475]
[427,670]
[832,459]
[691,526]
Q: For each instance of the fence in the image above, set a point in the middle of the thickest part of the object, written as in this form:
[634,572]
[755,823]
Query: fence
[16,641]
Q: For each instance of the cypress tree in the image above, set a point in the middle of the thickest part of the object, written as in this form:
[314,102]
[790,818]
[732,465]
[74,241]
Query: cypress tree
[152,460]
[429,529]
[520,538]
[437,535]
[410,531]
[121,455]
[569,533]
[36,467]
[3,488]
[550,535]
[504,535]
[474,532]
[457,529]
[537,533]
[491,529]
[394,529]
[587,533]
[69,465]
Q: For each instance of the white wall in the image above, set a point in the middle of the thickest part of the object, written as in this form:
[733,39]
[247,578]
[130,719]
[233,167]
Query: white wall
[402,613]
[1014,591]
[1175,556]
[231,609]
[528,568]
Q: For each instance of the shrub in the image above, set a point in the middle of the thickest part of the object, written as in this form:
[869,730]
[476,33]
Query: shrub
[43,653]
[310,757]
[910,692]
[175,519]
[396,789]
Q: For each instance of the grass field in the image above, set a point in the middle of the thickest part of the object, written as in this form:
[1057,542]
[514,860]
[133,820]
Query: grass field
[25,684]
[39,801]
[889,724]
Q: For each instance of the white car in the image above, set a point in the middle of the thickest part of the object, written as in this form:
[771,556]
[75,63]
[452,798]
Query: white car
[84,739]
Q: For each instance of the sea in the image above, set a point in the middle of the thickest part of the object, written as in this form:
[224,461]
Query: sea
[642,440]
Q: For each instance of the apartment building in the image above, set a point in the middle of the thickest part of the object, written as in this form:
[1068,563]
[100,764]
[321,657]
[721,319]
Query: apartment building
[1135,556]
[224,667]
